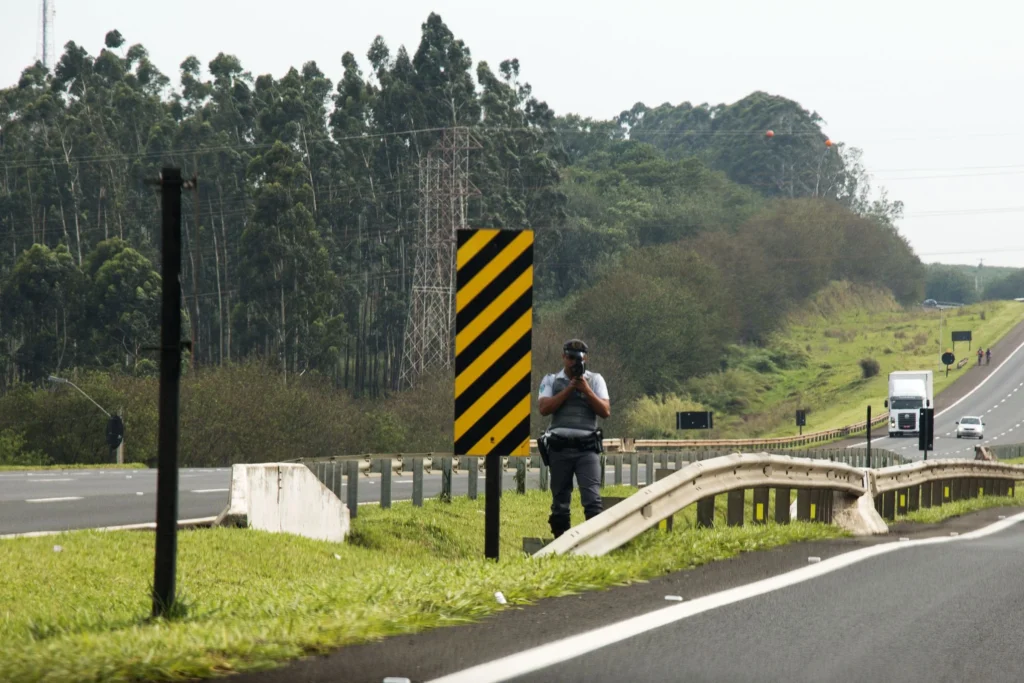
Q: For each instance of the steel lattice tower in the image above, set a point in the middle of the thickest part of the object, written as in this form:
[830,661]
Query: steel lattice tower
[444,191]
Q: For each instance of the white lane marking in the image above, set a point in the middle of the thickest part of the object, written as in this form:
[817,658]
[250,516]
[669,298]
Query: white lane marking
[544,656]
[52,500]
[198,521]
[210,490]
[42,481]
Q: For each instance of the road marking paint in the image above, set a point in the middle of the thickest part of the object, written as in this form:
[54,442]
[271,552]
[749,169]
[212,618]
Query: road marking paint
[210,490]
[43,481]
[52,500]
[551,654]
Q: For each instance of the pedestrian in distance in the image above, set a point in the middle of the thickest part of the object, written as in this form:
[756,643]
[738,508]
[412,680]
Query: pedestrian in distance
[980,354]
[575,398]
[988,356]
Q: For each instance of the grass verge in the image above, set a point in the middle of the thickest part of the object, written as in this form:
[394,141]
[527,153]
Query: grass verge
[254,599]
[958,508]
[41,468]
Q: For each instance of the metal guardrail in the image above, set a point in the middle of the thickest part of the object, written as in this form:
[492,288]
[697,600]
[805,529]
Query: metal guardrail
[342,474]
[699,483]
[895,490]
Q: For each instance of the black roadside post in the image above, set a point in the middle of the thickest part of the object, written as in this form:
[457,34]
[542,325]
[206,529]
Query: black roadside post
[492,504]
[170,372]
[869,437]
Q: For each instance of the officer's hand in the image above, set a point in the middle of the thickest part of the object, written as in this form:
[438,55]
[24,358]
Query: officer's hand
[580,384]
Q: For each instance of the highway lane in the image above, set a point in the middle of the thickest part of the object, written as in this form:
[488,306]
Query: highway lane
[1000,404]
[944,612]
[57,500]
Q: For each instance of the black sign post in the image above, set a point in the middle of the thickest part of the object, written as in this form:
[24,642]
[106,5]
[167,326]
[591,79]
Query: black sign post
[962,336]
[701,419]
[801,420]
[869,438]
[115,434]
[926,431]
[165,570]
[948,359]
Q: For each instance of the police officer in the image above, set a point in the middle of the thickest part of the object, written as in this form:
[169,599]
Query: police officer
[575,397]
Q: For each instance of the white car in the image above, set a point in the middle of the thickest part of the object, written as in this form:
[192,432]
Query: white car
[970,426]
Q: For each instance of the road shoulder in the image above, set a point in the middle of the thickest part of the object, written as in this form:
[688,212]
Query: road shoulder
[423,656]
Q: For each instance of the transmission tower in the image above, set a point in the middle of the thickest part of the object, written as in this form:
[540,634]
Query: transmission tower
[46,50]
[444,191]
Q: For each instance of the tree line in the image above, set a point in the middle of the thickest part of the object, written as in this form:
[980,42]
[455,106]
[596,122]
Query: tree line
[663,233]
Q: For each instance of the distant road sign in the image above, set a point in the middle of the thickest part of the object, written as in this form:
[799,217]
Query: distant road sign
[115,431]
[948,358]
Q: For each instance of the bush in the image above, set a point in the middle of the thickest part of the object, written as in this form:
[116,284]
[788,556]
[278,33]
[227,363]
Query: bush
[869,367]
[654,417]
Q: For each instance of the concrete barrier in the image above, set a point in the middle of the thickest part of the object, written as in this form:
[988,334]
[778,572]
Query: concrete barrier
[284,497]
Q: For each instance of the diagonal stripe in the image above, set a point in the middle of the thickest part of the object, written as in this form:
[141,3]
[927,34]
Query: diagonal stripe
[501,430]
[492,396]
[472,330]
[499,239]
[500,280]
[504,321]
[465,377]
[478,239]
[493,374]
[500,262]
[492,417]
[516,442]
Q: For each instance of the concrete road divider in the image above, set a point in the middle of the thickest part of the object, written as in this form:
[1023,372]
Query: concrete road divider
[284,497]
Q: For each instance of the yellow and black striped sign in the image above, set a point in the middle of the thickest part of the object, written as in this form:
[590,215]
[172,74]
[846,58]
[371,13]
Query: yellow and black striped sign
[493,341]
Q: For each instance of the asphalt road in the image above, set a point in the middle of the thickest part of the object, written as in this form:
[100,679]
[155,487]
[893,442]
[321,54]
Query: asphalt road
[1000,404]
[58,500]
[945,612]
[989,391]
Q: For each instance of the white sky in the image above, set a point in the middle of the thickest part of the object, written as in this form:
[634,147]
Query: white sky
[931,91]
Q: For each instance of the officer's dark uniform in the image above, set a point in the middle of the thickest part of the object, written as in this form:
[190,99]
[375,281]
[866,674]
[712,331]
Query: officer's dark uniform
[573,445]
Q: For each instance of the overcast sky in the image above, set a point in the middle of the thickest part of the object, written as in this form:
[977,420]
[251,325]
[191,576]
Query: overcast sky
[931,91]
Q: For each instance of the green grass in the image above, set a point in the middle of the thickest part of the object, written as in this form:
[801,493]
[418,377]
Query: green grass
[958,508]
[26,468]
[254,598]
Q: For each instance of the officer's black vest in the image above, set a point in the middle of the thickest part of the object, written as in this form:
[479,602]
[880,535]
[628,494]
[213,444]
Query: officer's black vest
[575,413]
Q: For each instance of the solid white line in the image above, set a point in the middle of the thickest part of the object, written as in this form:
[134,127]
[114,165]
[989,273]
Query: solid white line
[965,396]
[52,500]
[41,481]
[124,527]
[210,490]
[548,655]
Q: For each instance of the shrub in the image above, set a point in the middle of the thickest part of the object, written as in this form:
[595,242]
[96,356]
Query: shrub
[869,367]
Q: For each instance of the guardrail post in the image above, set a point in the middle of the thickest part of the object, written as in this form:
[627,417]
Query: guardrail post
[417,482]
[353,488]
[782,497]
[446,478]
[385,483]
[901,501]
[649,466]
[803,505]
[760,509]
[618,469]
[914,498]
[889,505]
[474,476]
[706,512]
[734,507]
[664,460]
[521,475]
[937,493]
[634,467]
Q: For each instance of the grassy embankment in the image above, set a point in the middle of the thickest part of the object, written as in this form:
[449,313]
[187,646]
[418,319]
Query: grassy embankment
[817,364]
[253,599]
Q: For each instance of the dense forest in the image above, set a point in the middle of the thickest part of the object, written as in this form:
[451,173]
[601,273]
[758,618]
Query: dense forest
[664,234]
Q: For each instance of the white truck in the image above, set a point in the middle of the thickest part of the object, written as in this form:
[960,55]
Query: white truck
[909,391]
